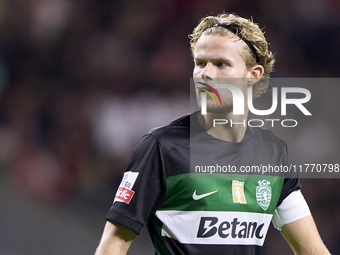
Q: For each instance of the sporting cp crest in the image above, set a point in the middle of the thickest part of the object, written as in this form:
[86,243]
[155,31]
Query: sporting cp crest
[263,194]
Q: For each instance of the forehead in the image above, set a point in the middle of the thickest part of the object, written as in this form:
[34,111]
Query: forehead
[219,46]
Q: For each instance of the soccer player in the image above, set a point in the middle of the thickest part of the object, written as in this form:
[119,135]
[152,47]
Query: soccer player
[229,213]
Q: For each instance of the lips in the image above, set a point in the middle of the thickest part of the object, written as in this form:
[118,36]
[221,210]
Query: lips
[205,88]
[210,89]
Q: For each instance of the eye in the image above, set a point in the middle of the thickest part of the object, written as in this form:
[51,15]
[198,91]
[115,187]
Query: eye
[200,63]
[220,64]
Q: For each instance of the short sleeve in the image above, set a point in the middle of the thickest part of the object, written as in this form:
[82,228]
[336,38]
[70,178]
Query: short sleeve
[142,188]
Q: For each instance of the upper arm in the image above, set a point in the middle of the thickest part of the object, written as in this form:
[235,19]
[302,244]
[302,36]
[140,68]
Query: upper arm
[303,237]
[294,220]
[133,204]
[116,239]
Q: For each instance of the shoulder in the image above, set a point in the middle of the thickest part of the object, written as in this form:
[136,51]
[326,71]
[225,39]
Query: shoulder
[172,135]
[176,129]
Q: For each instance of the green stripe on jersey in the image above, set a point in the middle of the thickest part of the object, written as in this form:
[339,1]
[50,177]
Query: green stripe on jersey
[224,193]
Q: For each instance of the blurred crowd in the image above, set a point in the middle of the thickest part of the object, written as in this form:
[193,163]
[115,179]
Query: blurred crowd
[81,81]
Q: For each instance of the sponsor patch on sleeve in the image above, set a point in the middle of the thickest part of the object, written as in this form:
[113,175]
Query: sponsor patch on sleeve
[125,192]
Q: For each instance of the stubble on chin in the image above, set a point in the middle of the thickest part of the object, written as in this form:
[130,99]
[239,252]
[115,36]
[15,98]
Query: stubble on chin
[225,108]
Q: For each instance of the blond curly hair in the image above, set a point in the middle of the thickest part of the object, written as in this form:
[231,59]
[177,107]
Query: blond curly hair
[247,30]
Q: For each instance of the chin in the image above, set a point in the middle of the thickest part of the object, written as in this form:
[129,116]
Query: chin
[219,109]
[212,108]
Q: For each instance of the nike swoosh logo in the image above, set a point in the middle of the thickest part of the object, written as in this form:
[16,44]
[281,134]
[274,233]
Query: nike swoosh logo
[198,197]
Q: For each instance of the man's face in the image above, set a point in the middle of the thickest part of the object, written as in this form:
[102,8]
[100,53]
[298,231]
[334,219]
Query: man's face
[218,60]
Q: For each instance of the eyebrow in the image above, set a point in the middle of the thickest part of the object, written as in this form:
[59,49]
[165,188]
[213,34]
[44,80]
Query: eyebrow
[224,60]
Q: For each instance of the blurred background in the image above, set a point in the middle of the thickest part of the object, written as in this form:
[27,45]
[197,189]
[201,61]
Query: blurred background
[81,81]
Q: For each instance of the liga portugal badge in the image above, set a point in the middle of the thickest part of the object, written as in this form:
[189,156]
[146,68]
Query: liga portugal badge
[263,194]
[238,192]
[125,192]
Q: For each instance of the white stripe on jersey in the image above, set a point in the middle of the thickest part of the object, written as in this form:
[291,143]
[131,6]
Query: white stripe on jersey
[215,227]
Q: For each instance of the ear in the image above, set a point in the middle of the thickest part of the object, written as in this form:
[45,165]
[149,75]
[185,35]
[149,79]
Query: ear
[255,74]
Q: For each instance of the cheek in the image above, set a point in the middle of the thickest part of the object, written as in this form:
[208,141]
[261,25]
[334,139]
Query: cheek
[196,72]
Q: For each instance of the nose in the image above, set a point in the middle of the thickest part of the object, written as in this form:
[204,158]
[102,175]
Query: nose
[207,72]
[204,77]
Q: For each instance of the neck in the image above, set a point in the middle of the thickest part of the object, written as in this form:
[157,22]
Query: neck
[228,127]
